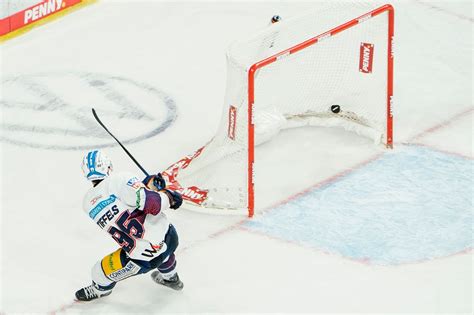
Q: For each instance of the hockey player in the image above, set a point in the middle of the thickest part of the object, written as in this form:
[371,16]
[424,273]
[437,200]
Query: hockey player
[128,210]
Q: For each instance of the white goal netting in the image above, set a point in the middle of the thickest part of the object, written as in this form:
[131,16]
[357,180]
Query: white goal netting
[348,69]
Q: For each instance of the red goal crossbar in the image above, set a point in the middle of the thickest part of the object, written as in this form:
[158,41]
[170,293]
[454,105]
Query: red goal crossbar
[251,86]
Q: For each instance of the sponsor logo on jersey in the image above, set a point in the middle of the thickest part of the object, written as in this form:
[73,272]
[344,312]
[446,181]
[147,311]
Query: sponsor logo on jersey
[95,199]
[112,262]
[159,246]
[101,206]
[129,270]
[43,9]
[366,57]
[155,250]
[135,183]
[232,122]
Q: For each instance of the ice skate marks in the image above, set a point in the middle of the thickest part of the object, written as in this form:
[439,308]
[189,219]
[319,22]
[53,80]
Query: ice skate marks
[411,205]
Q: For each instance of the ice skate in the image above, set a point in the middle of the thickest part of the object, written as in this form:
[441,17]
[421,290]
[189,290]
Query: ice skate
[90,293]
[174,282]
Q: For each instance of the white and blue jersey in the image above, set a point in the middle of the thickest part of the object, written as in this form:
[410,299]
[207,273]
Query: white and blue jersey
[130,213]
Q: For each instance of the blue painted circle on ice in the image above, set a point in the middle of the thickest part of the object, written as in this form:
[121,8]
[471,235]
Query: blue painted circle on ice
[410,205]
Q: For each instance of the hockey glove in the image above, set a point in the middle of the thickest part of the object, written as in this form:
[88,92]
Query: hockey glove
[155,182]
[175,198]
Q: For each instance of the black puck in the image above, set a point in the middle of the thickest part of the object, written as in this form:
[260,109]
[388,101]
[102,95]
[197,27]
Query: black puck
[335,109]
[276,18]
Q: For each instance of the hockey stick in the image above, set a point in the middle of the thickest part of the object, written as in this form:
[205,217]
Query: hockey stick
[123,147]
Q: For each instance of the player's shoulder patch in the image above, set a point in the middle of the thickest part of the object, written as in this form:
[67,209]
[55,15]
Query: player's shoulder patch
[135,183]
[127,179]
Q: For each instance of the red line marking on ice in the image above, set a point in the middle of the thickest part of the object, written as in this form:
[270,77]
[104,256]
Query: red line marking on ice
[348,171]
[416,140]
[432,147]
[365,261]
[232,227]
[327,181]
[463,252]
[63,308]
[238,225]
[459,16]
[441,125]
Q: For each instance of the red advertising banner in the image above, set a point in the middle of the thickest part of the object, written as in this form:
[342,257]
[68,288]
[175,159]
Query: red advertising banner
[4,26]
[232,122]
[34,13]
[366,57]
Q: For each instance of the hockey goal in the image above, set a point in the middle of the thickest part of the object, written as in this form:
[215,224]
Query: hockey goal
[332,67]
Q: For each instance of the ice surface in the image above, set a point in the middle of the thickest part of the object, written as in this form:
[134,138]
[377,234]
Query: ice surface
[410,205]
[48,245]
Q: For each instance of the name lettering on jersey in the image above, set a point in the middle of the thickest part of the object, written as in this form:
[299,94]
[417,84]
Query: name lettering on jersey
[366,57]
[45,8]
[108,216]
[101,206]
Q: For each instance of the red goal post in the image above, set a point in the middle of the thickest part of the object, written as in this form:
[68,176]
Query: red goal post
[251,86]
[342,77]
